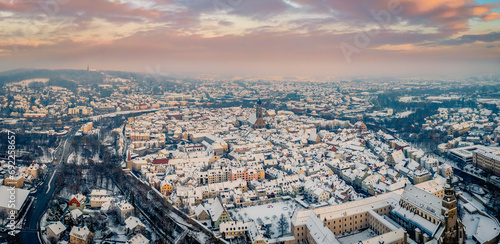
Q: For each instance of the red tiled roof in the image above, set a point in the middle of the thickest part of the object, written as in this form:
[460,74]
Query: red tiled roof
[160,161]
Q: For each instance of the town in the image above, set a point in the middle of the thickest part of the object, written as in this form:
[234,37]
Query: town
[134,159]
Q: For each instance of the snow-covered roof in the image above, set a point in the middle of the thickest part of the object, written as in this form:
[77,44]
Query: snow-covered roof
[431,186]
[76,213]
[125,206]
[98,193]
[215,208]
[20,194]
[132,222]
[57,228]
[351,208]
[199,209]
[383,220]
[138,239]
[425,201]
[425,225]
[389,237]
[318,231]
[80,233]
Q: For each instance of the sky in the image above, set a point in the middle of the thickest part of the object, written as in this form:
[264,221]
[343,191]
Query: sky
[259,37]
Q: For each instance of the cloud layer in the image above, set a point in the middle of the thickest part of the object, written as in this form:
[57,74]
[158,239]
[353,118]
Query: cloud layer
[252,36]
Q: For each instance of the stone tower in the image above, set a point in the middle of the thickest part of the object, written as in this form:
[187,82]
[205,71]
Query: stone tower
[259,123]
[454,230]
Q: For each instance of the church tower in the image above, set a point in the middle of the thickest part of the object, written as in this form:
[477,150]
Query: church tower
[454,229]
[259,123]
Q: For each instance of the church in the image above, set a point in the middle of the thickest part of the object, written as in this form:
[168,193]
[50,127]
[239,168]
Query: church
[427,217]
[257,119]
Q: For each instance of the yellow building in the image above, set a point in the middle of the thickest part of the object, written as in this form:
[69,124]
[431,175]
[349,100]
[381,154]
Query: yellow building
[166,187]
[98,201]
[34,115]
[433,187]
[33,170]
[126,210]
[80,235]
[87,127]
[233,229]
[16,181]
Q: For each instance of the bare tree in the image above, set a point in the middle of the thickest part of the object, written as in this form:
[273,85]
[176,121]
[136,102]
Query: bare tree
[3,215]
[52,240]
[283,224]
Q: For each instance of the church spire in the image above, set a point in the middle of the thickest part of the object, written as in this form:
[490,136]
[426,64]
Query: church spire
[259,123]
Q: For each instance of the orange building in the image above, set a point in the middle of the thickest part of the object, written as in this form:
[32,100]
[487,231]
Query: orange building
[247,175]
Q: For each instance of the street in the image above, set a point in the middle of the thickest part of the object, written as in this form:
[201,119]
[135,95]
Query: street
[43,195]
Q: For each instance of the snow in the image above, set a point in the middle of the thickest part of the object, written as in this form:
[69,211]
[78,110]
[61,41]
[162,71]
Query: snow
[20,197]
[383,220]
[215,209]
[473,201]
[427,226]
[268,212]
[477,224]
[28,81]
[420,197]
[318,231]
[132,222]
[47,156]
[481,227]
[361,236]
[120,235]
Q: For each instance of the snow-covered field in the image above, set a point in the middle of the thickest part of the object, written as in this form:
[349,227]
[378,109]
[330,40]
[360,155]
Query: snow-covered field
[269,213]
[356,238]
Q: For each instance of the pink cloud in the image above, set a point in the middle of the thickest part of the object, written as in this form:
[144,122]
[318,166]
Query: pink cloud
[490,16]
[305,47]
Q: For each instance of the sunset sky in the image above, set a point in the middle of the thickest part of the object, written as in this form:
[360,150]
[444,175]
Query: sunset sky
[272,37]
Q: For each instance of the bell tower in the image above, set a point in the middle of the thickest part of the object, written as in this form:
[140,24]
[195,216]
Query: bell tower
[259,123]
[453,232]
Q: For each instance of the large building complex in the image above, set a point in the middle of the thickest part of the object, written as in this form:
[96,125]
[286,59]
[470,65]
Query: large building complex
[488,161]
[410,213]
